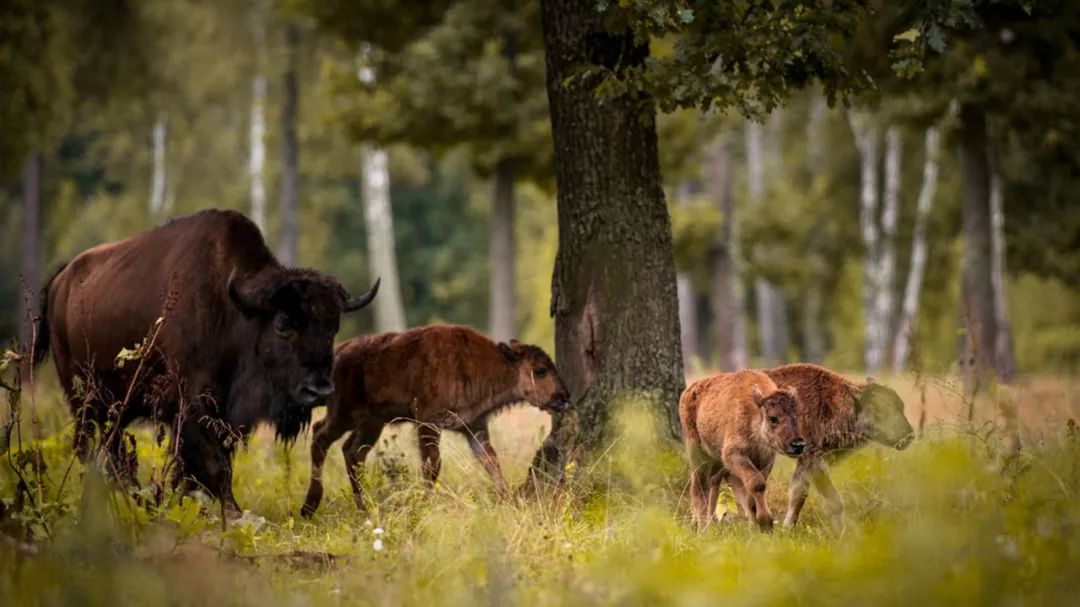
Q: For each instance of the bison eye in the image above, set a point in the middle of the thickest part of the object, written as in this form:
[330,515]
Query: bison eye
[284,327]
[540,371]
[774,420]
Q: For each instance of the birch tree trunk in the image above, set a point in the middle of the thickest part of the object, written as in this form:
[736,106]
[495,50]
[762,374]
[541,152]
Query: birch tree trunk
[1004,358]
[771,308]
[913,287]
[884,299]
[157,182]
[30,248]
[867,140]
[257,154]
[503,284]
[813,313]
[978,281]
[728,298]
[290,151]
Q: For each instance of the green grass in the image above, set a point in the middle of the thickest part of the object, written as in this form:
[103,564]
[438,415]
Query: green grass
[943,522]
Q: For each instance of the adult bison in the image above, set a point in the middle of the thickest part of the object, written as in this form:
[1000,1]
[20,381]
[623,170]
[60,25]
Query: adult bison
[229,338]
[836,417]
[441,377]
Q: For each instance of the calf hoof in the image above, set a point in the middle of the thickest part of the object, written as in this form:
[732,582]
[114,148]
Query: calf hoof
[765,523]
[311,503]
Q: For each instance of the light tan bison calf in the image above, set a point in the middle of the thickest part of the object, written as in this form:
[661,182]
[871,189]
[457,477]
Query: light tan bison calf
[836,417]
[734,424]
[440,377]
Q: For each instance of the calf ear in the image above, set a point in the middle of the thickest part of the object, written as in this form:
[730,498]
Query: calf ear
[759,398]
[854,392]
[509,352]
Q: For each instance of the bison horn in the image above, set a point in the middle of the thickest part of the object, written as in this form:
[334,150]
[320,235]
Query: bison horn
[356,303]
[246,307]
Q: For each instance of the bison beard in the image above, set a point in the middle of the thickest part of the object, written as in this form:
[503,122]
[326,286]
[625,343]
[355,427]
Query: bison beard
[235,340]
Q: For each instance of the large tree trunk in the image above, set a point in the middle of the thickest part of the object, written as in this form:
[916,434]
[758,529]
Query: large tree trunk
[613,289]
[30,254]
[771,308]
[379,226]
[910,306]
[157,183]
[978,277]
[503,257]
[290,150]
[813,304]
[728,299]
[1004,358]
[867,140]
[257,153]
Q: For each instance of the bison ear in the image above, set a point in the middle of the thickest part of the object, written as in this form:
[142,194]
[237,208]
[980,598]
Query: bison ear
[247,304]
[509,352]
[759,398]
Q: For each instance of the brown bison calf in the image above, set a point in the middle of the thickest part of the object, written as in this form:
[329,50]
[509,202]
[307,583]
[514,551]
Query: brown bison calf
[837,416]
[440,377]
[733,424]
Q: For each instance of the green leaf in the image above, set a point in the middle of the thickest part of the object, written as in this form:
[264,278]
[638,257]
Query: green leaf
[909,36]
[936,38]
[686,15]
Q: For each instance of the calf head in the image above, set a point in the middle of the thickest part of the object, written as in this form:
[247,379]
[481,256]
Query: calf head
[780,423]
[879,414]
[537,379]
[295,314]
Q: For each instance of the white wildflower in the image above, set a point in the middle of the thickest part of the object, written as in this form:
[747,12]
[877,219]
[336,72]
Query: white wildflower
[378,531]
[377,545]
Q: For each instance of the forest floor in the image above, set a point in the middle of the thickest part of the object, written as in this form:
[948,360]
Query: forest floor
[946,521]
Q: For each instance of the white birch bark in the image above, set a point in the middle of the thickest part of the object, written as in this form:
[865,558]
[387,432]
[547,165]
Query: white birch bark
[913,287]
[1004,360]
[257,144]
[867,136]
[884,299]
[157,182]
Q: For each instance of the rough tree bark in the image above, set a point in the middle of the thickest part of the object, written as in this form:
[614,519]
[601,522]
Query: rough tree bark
[867,140]
[613,288]
[728,298]
[257,154]
[978,314]
[30,249]
[157,182]
[1004,358]
[290,150]
[503,284]
[912,289]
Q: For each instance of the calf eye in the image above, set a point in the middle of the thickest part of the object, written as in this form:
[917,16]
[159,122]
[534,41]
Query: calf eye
[774,420]
[540,371]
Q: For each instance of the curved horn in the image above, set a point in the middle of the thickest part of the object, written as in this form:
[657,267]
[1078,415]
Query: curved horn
[245,306]
[356,303]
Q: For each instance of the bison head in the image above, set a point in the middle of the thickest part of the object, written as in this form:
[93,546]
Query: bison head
[880,414]
[296,314]
[538,381]
[780,424]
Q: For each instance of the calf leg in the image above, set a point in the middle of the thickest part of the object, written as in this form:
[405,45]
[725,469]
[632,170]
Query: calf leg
[324,433]
[355,450]
[480,443]
[753,481]
[800,486]
[834,504]
[700,481]
[430,461]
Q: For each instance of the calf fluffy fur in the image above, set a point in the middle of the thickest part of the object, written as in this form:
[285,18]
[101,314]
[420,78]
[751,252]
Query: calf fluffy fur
[733,425]
[440,377]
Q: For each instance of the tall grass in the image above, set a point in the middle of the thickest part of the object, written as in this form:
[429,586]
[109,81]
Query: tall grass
[944,522]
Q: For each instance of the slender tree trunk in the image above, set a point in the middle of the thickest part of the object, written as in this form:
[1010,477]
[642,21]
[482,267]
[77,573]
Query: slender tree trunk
[613,289]
[884,299]
[30,255]
[728,298]
[688,318]
[157,184]
[503,284]
[1004,359]
[290,151]
[379,225]
[910,306]
[257,156]
[978,280]
[813,304]
[867,140]
[771,309]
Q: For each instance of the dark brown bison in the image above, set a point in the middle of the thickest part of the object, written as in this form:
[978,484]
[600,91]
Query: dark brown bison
[733,425]
[232,339]
[837,416]
[440,377]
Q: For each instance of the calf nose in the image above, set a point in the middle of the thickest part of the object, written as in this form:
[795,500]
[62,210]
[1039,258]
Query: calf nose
[796,446]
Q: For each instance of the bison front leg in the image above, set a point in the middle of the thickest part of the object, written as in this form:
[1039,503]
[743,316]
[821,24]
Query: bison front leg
[430,460]
[480,443]
[699,496]
[206,462]
[324,433]
[753,482]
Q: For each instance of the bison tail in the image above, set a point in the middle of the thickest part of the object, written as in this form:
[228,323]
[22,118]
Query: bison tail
[41,343]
